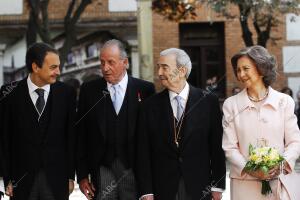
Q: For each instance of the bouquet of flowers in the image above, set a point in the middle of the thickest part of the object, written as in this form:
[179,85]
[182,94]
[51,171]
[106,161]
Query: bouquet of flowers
[263,159]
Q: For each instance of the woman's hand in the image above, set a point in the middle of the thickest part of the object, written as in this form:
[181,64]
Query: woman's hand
[258,174]
[275,171]
[272,173]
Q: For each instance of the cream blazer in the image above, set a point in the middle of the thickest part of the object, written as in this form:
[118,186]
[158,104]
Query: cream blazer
[243,125]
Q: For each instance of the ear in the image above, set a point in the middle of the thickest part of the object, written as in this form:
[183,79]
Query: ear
[183,71]
[34,67]
[126,63]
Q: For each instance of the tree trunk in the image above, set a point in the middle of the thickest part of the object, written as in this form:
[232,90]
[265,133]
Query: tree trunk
[31,33]
[36,24]
[39,23]
[43,29]
[70,40]
[264,36]
[244,16]
[70,28]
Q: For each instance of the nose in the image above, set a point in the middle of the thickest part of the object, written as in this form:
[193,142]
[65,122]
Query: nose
[104,67]
[159,71]
[57,71]
[241,73]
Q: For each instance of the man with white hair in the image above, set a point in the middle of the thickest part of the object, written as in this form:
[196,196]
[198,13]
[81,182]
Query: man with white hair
[179,148]
[107,114]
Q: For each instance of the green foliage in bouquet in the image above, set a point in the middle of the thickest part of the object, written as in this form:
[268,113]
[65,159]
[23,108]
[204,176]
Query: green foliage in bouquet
[263,159]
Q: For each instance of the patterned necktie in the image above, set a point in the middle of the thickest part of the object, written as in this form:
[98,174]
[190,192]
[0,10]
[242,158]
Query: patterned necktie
[40,102]
[180,108]
[117,98]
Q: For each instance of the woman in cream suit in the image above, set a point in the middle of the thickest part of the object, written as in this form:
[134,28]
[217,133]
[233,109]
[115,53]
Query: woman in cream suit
[260,113]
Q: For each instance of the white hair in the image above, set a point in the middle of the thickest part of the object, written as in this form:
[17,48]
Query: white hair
[119,44]
[182,58]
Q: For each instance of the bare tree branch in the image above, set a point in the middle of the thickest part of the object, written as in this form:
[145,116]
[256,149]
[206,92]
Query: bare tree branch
[264,36]
[255,24]
[178,9]
[244,16]
[44,31]
[79,11]
[70,10]
[31,33]
[38,21]
[70,27]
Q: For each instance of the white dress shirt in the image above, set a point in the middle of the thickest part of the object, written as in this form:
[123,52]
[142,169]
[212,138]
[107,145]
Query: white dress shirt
[2,185]
[183,94]
[33,95]
[123,86]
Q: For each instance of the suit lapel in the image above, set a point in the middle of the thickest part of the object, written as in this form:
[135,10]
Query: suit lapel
[133,103]
[167,120]
[53,99]
[102,99]
[28,110]
[194,101]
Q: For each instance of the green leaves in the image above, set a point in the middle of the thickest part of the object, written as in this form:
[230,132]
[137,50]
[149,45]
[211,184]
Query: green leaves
[262,159]
[251,148]
[264,169]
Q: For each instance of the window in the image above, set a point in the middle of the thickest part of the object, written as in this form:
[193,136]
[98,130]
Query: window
[11,7]
[291,59]
[70,58]
[91,50]
[122,5]
[292,27]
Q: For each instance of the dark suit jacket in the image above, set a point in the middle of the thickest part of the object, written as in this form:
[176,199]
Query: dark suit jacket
[2,96]
[199,160]
[1,132]
[92,128]
[4,92]
[21,149]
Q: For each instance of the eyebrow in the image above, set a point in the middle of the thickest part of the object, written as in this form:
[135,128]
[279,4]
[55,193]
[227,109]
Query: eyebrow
[54,65]
[244,66]
[162,64]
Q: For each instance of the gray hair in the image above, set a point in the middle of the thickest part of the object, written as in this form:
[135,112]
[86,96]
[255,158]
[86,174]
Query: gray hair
[265,62]
[182,58]
[119,44]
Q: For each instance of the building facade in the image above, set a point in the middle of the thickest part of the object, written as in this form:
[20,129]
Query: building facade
[211,40]
[101,20]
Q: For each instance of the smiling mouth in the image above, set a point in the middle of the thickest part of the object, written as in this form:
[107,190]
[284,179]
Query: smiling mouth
[245,80]
[162,78]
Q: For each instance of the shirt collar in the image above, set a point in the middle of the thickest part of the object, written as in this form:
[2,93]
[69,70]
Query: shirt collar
[273,99]
[184,93]
[123,83]
[32,87]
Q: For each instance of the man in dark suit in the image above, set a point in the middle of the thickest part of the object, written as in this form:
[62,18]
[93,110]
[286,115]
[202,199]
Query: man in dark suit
[1,145]
[108,111]
[179,148]
[38,131]
[2,96]
[1,176]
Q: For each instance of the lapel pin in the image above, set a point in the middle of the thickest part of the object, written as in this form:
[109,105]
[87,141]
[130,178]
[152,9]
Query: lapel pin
[139,96]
